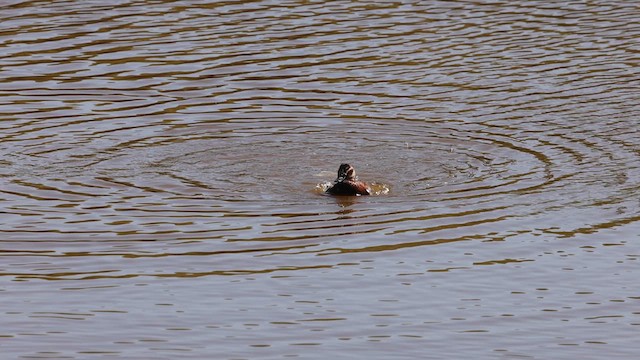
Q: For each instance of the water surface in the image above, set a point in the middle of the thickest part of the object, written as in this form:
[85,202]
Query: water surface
[160,164]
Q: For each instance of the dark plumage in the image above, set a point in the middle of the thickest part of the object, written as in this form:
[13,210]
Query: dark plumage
[347,183]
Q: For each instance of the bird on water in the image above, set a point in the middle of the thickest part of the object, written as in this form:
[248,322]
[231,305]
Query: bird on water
[347,183]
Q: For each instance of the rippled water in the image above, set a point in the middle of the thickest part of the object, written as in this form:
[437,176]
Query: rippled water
[160,165]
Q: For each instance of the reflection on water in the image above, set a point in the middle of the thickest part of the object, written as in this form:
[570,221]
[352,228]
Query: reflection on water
[161,166]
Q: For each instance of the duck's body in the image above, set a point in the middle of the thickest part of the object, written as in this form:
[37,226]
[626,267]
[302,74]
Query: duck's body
[347,184]
[349,188]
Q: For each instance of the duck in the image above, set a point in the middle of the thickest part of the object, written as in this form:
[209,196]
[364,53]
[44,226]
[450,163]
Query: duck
[347,184]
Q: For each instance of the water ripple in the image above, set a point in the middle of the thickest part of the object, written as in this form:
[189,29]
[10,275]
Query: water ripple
[182,140]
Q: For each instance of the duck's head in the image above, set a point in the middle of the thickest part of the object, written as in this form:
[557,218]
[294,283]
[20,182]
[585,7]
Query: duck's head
[346,172]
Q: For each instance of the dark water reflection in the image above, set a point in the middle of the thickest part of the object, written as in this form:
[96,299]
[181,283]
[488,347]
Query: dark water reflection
[160,164]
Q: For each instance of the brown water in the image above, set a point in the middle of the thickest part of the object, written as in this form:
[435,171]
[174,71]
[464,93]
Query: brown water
[161,160]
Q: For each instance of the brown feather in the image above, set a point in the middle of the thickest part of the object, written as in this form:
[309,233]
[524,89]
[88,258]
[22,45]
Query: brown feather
[349,188]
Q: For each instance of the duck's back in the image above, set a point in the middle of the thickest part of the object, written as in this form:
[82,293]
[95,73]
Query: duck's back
[349,188]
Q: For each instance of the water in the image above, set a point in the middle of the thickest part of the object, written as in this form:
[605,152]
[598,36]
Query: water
[161,160]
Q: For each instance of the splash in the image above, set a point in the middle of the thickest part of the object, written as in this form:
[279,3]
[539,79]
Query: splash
[379,188]
[322,187]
